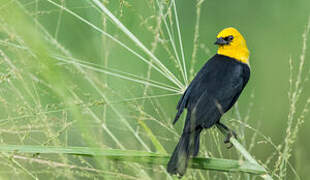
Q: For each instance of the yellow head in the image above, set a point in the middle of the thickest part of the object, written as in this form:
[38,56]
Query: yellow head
[232,44]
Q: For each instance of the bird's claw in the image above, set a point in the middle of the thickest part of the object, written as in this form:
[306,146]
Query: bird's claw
[227,139]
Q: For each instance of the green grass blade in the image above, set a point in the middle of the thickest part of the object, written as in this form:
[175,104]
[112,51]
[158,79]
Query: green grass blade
[245,153]
[215,164]
[122,27]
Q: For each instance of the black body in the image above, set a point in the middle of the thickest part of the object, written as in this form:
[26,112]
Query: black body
[214,90]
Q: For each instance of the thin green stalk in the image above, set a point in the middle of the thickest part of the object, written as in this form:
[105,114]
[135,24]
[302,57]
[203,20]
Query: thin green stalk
[116,73]
[118,42]
[245,153]
[172,42]
[142,157]
[139,43]
[180,39]
[195,39]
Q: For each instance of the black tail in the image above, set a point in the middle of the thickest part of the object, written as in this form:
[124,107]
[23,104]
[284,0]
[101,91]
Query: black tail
[188,146]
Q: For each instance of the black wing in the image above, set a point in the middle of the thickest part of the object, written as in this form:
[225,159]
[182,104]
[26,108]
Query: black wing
[210,106]
[182,103]
[214,91]
[185,97]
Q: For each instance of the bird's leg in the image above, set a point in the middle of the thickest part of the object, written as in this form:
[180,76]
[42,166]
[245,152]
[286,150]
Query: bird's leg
[229,133]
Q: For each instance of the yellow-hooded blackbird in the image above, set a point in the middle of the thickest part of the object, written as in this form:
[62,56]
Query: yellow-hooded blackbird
[214,90]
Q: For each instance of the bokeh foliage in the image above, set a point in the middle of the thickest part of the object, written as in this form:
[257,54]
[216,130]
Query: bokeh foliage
[55,90]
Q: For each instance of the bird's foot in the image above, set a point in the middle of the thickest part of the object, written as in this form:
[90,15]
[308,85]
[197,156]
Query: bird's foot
[227,139]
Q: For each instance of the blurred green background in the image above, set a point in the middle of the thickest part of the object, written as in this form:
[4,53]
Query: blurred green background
[45,101]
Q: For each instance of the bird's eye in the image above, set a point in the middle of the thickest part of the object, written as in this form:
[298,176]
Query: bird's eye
[229,38]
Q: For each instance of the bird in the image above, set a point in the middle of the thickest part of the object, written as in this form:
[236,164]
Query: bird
[212,92]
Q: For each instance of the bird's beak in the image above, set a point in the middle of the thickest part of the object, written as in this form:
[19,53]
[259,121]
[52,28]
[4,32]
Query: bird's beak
[220,41]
